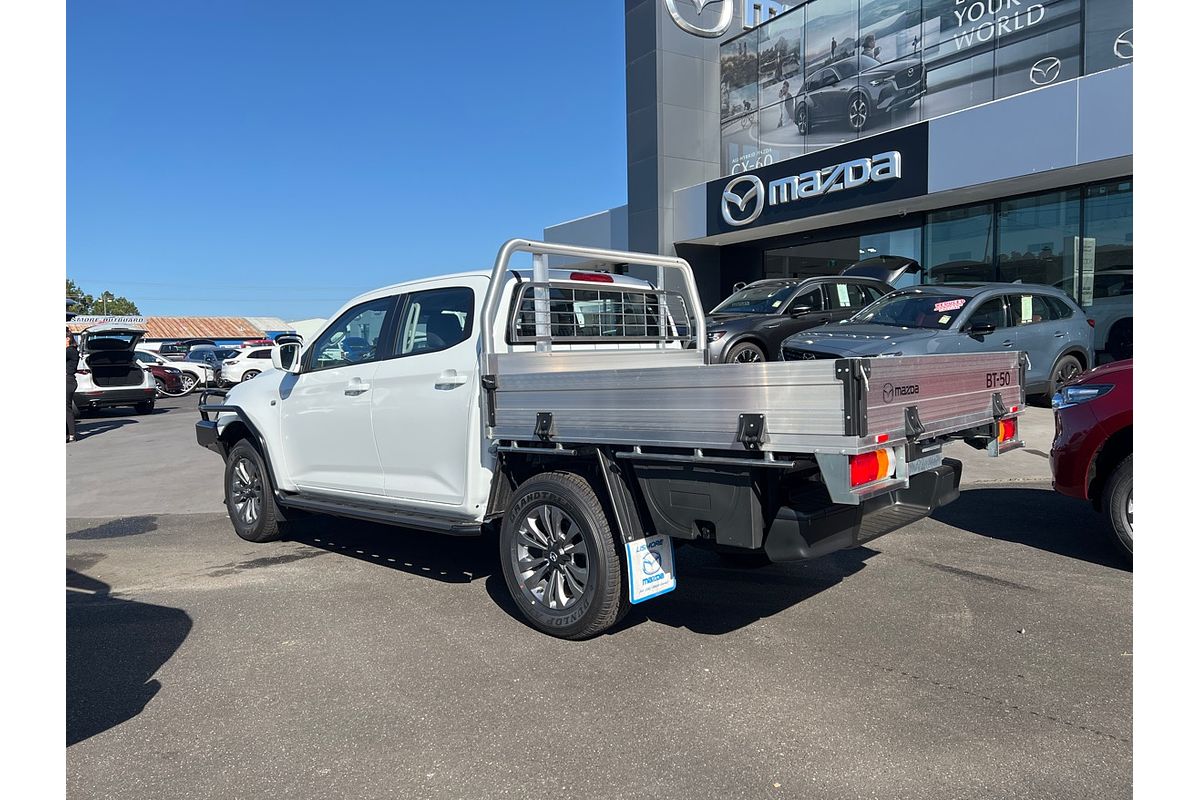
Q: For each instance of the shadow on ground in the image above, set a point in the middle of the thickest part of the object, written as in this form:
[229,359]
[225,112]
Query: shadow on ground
[1040,518]
[114,647]
[712,598]
[86,430]
[114,529]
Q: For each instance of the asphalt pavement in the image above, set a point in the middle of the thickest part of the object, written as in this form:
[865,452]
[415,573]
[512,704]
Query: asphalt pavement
[982,653]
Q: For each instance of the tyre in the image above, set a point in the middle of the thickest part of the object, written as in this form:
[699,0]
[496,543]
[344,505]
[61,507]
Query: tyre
[745,353]
[144,407]
[1118,504]
[1064,370]
[802,119]
[858,112]
[188,382]
[249,496]
[1120,340]
[248,374]
[560,558]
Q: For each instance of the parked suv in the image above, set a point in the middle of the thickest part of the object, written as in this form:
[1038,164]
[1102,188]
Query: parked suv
[750,325]
[1042,321]
[193,374]
[250,361]
[108,373]
[855,89]
[1092,454]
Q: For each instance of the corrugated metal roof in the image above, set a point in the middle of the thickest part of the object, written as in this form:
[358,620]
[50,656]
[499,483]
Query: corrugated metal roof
[196,328]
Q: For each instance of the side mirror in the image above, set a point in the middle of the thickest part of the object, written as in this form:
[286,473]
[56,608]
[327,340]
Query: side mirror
[798,310]
[285,355]
[981,329]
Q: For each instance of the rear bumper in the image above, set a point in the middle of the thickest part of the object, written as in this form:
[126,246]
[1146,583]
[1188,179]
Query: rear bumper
[97,398]
[799,536]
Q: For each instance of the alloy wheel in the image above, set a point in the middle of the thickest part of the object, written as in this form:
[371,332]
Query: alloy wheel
[858,113]
[550,558]
[747,356]
[246,491]
[1067,370]
[160,387]
[802,120]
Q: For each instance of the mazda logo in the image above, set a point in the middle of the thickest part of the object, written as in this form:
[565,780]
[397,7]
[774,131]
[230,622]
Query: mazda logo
[1123,46]
[1045,71]
[723,21]
[755,195]
[651,563]
[889,393]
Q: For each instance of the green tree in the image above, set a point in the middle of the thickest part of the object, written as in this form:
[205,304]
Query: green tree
[106,303]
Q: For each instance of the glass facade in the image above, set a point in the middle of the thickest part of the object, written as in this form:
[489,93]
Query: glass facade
[1079,239]
[830,71]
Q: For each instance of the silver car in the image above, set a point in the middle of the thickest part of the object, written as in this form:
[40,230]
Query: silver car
[964,318]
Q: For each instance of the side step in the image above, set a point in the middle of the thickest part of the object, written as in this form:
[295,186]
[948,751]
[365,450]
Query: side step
[382,514]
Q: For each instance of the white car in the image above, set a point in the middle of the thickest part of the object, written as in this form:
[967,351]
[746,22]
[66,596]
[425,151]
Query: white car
[193,374]
[108,373]
[246,364]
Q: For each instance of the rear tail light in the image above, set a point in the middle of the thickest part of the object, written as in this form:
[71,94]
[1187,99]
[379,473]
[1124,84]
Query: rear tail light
[873,466]
[1092,322]
[83,372]
[594,277]
[1008,429]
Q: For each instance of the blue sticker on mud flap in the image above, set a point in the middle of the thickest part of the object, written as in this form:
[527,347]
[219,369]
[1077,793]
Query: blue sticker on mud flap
[651,567]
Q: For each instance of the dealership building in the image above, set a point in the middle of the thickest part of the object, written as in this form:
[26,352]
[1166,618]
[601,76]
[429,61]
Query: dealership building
[989,140]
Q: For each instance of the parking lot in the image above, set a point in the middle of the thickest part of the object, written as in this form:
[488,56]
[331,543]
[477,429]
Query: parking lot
[983,652]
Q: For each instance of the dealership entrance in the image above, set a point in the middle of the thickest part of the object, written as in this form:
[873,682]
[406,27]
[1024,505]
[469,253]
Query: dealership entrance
[834,255]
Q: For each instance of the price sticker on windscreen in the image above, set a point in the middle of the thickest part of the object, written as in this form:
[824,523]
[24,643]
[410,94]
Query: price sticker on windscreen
[651,567]
[950,305]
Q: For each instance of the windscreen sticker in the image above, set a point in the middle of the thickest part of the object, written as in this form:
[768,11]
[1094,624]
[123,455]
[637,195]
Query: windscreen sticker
[843,293]
[943,319]
[651,567]
[777,304]
[950,305]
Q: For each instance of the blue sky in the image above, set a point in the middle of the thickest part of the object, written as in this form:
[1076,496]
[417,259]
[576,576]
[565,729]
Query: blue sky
[275,158]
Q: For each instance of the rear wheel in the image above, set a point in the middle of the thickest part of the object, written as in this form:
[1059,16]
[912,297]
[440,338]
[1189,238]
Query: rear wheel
[144,407]
[858,112]
[560,559]
[1064,370]
[249,496]
[1118,503]
[745,353]
[802,119]
[248,374]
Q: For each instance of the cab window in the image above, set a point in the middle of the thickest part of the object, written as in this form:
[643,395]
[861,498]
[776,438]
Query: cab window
[353,338]
[435,320]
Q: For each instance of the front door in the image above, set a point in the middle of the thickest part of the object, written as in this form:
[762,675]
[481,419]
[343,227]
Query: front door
[325,415]
[993,311]
[425,401]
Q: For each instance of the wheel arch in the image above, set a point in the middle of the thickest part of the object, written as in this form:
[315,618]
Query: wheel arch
[1114,450]
[749,337]
[241,428]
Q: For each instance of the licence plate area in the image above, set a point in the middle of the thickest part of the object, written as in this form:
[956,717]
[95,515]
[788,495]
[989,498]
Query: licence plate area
[922,456]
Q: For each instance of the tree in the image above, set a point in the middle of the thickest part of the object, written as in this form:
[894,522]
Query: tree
[106,303]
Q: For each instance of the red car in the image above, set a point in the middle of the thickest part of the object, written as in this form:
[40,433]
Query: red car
[1092,454]
[168,381]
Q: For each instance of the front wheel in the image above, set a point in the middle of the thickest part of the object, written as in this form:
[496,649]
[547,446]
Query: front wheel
[1064,370]
[560,559]
[1118,503]
[187,382]
[745,353]
[249,497]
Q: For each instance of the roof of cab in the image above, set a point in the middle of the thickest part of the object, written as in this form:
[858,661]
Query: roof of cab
[524,274]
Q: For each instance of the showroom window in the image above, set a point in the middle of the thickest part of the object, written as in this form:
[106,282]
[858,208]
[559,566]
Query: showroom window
[1037,239]
[1107,34]
[958,245]
[1106,265]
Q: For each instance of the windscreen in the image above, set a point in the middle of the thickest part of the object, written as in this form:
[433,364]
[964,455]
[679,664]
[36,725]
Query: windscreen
[756,300]
[915,310]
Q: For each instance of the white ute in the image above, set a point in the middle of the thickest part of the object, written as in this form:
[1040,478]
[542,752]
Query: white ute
[569,413]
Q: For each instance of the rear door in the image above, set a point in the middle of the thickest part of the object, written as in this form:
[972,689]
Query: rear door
[1043,331]
[325,417]
[425,396]
[844,299]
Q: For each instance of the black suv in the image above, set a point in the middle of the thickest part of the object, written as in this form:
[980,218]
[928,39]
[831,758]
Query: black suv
[751,324]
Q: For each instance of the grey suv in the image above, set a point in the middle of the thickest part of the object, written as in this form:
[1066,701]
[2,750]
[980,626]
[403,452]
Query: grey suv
[965,318]
[751,324]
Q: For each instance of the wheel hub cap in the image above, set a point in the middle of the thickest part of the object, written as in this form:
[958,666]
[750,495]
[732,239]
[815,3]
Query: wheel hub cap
[246,490]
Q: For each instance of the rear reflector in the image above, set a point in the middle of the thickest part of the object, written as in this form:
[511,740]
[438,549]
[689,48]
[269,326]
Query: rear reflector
[1008,429]
[594,277]
[870,467]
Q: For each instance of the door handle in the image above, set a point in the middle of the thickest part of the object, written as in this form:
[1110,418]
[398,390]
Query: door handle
[449,379]
[356,386]
[1007,343]
[1059,334]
